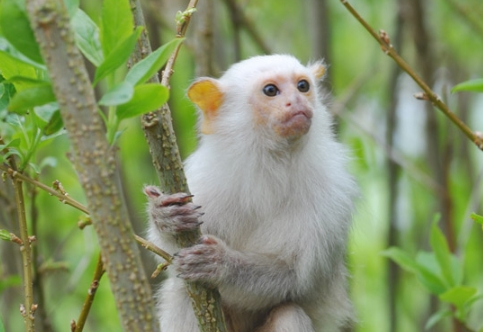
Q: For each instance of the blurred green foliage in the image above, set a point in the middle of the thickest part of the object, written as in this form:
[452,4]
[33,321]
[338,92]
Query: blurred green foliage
[359,74]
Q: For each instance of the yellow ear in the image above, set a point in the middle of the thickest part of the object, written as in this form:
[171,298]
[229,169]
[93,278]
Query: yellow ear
[318,69]
[206,94]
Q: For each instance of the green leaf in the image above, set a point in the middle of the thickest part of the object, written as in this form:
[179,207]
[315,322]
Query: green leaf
[35,168]
[458,295]
[117,24]
[442,253]
[429,272]
[8,93]
[16,28]
[48,162]
[474,299]
[120,94]
[55,124]
[437,317]
[15,142]
[477,218]
[22,83]
[2,328]
[118,56]
[87,37]
[401,258]
[472,85]
[5,235]
[12,67]
[11,281]
[72,6]
[147,98]
[48,118]
[149,66]
[11,152]
[26,99]
[46,111]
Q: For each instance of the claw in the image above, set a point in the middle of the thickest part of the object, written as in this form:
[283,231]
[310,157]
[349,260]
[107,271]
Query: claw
[176,199]
[152,191]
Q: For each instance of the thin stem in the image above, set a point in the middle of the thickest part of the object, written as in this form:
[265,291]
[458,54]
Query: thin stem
[28,308]
[180,33]
[91,293]
[62,197]
[31,150]
[383,40]
[153,248]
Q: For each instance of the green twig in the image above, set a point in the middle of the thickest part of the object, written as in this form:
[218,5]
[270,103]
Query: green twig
[182,24]
[28,308]
[91,293]
[153,248]
[63,197]
[383,39]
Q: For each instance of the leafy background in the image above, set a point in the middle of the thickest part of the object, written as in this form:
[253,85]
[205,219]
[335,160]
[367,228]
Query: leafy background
[359,82]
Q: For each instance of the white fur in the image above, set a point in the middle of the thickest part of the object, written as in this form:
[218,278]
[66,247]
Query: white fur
[263,195]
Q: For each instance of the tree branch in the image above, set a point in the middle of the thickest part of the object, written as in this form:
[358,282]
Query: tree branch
[91,293]
[247,24]
[95,163]
[153,248]
[159,133]
[28,308]
[63,197]
[383,39]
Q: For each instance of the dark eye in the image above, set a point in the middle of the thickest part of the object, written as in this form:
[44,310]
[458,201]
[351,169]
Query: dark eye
[303,86]
[270,90]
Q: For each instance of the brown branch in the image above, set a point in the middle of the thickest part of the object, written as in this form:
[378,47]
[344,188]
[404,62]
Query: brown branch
[153,248]
[28,308]
[237,25]
[159,133]
[393,174]
[91,293]
[247,24]
[95,162]
[63,197]
[181,27]
[204,41]
[383,39]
